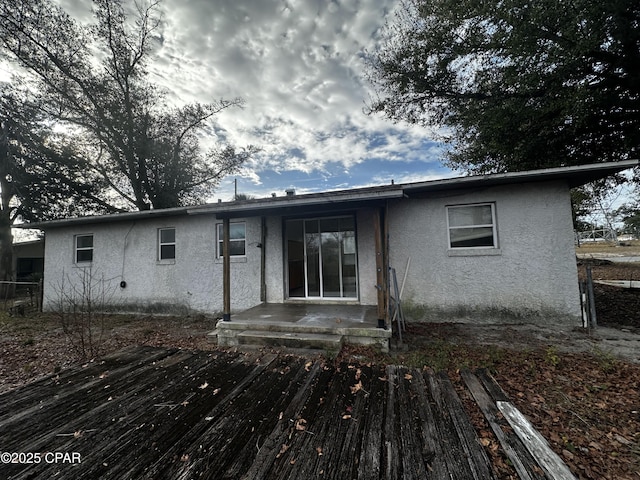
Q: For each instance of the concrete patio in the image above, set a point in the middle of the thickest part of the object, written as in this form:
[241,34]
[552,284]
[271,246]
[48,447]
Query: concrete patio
[303,325]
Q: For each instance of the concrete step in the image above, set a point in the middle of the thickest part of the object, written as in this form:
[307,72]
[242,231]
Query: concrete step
[322,341]
[289,327]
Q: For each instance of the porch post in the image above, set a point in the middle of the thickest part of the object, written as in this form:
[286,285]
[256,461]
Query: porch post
[380,276]
[226,272]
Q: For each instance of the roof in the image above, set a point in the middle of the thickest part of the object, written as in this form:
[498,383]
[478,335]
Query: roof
[350,199]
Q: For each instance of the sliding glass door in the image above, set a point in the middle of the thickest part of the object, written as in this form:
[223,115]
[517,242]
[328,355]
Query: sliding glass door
[321,258]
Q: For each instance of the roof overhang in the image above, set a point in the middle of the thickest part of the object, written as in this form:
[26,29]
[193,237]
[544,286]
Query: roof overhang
[119,217]
[308,204]
[346,200]
[573,176]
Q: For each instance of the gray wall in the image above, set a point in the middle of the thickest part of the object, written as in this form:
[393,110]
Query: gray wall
[128,251]
[532,276]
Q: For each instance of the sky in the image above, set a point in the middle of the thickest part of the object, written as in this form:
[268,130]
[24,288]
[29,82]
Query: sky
[299,66]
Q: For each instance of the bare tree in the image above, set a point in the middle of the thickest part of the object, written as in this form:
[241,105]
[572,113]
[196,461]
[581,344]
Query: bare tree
[94,79]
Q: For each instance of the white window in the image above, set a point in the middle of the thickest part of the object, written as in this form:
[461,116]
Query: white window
[472,226]
[166,244]
[237,239]
[83,248]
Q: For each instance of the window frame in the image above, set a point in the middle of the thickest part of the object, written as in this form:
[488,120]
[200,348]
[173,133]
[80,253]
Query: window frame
[220,240]
[77,249]
[163,244]
[493,225]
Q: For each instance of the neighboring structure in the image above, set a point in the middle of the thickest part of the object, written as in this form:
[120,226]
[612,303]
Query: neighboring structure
[482,248]
[28,260]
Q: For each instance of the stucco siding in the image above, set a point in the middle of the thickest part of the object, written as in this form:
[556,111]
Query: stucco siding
[365,219]
[275,266]
[128,252]
[532,273]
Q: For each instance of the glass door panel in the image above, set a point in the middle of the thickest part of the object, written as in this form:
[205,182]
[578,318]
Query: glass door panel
[331,284]
[295,252]
[312,253]
[322,258]
[348,257]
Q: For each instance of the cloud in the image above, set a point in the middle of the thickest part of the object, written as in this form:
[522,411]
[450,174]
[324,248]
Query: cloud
[298,64]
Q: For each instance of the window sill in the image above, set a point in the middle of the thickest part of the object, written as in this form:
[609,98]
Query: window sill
[474,252]
[233,260]
[82,264]
[166,262]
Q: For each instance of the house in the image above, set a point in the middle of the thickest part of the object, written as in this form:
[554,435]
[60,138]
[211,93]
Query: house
[477,248]
[28,260]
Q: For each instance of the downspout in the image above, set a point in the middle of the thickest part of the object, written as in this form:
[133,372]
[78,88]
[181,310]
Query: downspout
[123,282]
[263,260]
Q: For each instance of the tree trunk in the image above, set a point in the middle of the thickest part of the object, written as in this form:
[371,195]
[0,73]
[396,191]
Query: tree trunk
[7,290]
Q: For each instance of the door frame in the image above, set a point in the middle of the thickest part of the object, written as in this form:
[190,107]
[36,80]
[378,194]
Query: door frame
[320,298]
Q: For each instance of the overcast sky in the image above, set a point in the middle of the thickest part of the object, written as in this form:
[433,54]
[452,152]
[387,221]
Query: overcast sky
[298,64]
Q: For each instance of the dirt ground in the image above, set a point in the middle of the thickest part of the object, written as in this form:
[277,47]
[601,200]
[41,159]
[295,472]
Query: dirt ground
[581,390]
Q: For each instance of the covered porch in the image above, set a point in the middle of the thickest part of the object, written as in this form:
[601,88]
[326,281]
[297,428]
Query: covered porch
[304,325]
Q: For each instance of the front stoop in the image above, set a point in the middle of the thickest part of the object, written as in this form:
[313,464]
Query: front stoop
[297,336]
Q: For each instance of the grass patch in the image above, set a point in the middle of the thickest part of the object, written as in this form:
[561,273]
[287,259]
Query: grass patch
[551,357]
[605,359]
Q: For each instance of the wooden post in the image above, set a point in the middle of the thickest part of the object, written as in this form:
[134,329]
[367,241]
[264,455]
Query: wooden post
[263,260]
[593,321]
[226,272]
[380,276]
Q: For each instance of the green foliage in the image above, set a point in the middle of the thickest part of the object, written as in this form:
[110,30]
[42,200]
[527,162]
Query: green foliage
[606,360]
[516,85]
[40,176]
[630,216]
[551,357]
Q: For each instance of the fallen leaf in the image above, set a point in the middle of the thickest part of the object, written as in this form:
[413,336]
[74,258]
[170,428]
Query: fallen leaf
[408,376]
[203,386]
[283,449]
[301,424]
[319,450]
[307,366]
[216,391]
[346,417]
[356,388]
[622,440]
[595,445]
